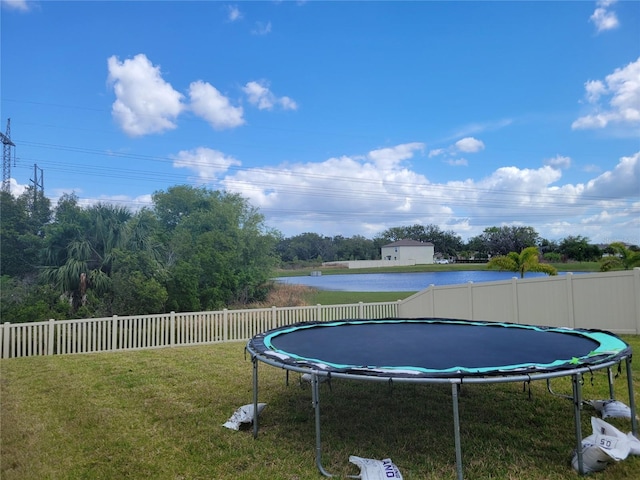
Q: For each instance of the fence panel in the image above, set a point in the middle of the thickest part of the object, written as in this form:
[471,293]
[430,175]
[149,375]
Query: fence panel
[167,329]
[608,301]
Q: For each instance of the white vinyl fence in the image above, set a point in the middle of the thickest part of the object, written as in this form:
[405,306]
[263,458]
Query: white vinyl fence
[608,301]
[137,332]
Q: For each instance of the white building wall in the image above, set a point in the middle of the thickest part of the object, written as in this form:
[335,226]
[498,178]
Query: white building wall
[420,254]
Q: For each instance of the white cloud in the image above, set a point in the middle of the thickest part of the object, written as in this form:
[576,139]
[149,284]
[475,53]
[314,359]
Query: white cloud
[390,158]
[354,194]
[476,128]
[366,194]
[558,161]
[145,103]
[21,5]
[16,188]
[261,28]
[206,163]
[234,13]
[603,18]
[623,89]
[595,89]
[591,168]
[259,95]
[469,145]
[458,162]
[450,154]
[622,181]
[207,102]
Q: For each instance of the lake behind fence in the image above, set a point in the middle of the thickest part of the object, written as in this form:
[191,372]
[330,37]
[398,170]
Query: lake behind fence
[399,282]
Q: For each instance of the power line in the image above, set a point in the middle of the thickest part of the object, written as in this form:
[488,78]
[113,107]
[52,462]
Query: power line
[450,190]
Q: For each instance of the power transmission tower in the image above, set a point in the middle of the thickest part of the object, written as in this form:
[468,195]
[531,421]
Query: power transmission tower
[6,158]
[38,183]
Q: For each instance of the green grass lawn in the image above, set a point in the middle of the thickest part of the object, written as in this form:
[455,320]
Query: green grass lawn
[158,414]
[335,297]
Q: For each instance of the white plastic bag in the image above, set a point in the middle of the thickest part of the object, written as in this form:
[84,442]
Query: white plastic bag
[594,459]
[606,445]
[611,408]
[634,444]
[610,439]
[376,469]
[244,414]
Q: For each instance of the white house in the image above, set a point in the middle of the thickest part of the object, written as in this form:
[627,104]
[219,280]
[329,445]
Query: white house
[409,250]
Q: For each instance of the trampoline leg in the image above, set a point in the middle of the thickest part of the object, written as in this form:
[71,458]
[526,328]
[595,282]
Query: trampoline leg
[456,429]
[612,391]
[577,405]
[255,397]
[632,402]
[315,399]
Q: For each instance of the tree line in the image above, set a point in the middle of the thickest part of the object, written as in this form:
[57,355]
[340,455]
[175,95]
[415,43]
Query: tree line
[193,249]
[308,248]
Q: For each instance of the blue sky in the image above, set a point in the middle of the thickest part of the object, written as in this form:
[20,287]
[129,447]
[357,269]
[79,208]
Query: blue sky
[339,118]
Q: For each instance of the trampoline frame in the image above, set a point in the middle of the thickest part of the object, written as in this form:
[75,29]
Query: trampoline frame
[455,382]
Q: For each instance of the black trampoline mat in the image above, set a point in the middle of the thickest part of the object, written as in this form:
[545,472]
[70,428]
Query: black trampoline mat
[430,345]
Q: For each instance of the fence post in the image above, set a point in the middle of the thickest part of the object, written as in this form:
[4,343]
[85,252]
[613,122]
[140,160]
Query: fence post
[470,299]
[360,310]
[51,336]
[319,312]
[114,333]
[5,339]
[172,328]
[225,325]
[274,317]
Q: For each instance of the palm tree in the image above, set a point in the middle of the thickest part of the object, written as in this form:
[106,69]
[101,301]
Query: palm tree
[525,261]
[82,258]
[622,258]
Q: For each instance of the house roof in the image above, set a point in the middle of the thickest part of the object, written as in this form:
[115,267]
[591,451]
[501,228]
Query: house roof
[409,243]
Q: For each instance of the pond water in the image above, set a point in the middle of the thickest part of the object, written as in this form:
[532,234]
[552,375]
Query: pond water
[399,282]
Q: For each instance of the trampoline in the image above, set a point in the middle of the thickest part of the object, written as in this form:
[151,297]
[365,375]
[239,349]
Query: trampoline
[432,350]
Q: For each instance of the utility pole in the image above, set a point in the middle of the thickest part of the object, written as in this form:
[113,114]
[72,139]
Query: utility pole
[6,158]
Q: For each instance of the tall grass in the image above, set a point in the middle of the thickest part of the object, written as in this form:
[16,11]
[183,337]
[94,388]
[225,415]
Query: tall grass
[159,414]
